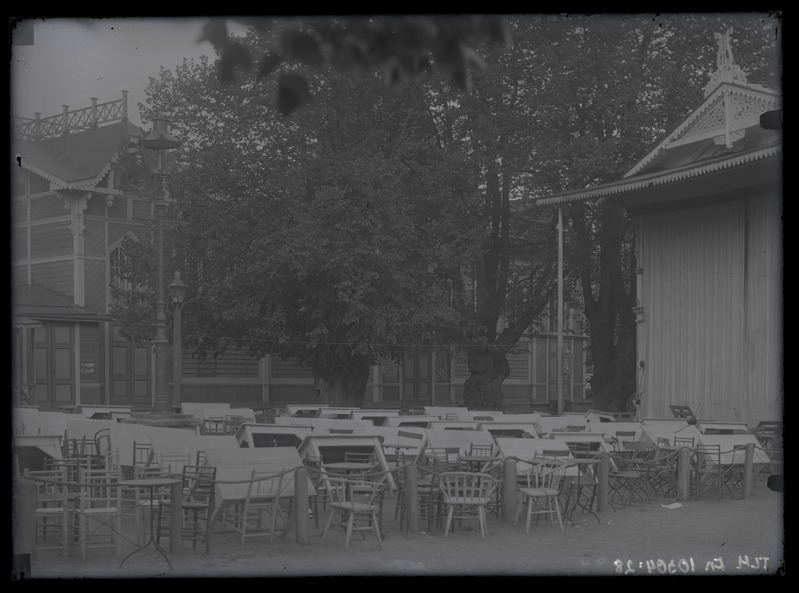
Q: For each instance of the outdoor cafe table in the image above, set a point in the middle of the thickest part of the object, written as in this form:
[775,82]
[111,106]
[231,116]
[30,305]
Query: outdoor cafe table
[151,484]
[234,469]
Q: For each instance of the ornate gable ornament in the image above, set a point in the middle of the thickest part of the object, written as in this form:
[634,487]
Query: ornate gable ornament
[731,106]
[726,68]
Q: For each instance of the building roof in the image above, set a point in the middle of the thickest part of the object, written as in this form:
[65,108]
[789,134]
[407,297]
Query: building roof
[35,302]
[723,133]
[75,161]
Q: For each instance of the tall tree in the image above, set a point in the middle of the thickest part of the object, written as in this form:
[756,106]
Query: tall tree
[322,237]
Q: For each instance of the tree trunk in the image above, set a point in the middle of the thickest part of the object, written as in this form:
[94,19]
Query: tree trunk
[483,389]
[347,387]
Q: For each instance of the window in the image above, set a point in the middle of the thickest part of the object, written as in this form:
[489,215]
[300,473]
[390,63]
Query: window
[118,261]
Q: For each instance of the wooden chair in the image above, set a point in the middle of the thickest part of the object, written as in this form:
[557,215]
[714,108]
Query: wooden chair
[197,507]
[262,507]
[540,496]
[52,510]
[684,442]
[708,471]
[466,495]
[355,514]
[621,436]
[317,475]
[97,517]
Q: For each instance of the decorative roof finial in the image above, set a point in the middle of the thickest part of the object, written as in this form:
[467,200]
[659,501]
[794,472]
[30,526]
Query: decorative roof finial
[726,68]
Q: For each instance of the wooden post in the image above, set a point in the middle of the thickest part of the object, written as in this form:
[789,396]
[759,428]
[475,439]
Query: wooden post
[301,504]
[683,474]
[602,487]
[748,463]
[175,516]
[412,498]
[509,490]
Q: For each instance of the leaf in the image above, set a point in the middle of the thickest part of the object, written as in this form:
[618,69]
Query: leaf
[269,63]
[233,55]
[292,93]
[215,31]
[346,56]
[303,47]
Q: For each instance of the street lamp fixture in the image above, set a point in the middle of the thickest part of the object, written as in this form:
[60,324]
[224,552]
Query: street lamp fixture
[155,145]
[177,290]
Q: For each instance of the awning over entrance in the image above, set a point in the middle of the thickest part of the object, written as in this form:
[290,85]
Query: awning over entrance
[33,304]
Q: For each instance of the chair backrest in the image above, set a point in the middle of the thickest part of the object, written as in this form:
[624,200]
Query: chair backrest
[265,486]
[358,457]
[684,442]
[576,428]
[98,488]
[51,487]
[467,486]
[341,430]
[198,483]
[174,462]
[583,449]
[143,454]
[547,473]
[476,450]
[639,449]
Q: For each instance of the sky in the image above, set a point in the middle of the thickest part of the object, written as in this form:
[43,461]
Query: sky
[72,60]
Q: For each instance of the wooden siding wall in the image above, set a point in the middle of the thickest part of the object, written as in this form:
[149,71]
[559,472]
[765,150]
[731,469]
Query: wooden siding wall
[764,304]
[694,299]
[56,276]
[47,206]
[49,240]
[19,244]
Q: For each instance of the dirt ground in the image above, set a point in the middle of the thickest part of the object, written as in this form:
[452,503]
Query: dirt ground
[706,537]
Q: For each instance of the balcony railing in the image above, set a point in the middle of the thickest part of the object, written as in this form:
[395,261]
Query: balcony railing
[25,128]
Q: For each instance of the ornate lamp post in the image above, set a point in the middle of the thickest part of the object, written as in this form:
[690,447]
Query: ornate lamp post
[156,144]
[177,290]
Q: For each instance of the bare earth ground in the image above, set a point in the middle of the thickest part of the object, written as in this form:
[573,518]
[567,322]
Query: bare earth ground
[705,537]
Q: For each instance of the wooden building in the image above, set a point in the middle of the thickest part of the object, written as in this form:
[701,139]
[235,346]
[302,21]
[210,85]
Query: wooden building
[707,206]
[75,201]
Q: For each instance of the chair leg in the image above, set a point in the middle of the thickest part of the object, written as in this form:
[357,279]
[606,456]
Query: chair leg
[557,511]
[328,524]
[529,512]
[377,531]
[350,521]
[450,512]
[482,520]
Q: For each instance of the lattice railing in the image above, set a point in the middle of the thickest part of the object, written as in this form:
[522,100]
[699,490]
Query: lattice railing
[25,128]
